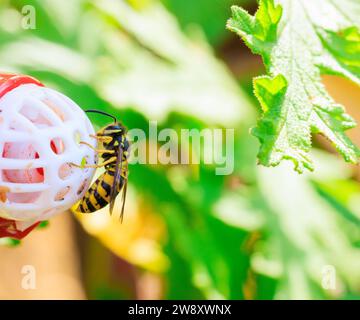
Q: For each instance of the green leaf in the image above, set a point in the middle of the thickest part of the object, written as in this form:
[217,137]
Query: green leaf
[298,45]
[345,46]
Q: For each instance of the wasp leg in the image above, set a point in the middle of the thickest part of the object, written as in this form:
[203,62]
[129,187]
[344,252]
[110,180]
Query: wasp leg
[111,160]
[97,150]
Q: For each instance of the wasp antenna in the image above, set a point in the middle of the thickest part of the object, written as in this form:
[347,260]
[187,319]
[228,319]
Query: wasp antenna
[103,113]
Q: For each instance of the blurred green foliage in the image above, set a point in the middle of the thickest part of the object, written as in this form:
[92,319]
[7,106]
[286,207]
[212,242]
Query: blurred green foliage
[208,16]
[10,242]
[261,233]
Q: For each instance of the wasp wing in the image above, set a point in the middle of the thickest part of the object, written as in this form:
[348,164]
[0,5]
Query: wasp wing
[123,200]
[117,181]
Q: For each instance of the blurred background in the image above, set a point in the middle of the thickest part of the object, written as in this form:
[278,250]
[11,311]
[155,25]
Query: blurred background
[260,233]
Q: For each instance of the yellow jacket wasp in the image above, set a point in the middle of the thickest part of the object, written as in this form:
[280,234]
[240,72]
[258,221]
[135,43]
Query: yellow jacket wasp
[114,155]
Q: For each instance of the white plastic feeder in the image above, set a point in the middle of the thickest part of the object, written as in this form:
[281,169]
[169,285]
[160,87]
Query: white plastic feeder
[40,131]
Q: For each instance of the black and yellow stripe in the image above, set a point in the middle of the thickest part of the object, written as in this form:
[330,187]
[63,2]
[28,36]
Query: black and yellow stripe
[98,196]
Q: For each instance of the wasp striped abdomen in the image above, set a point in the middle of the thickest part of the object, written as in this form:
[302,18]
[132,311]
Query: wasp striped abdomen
[98,195]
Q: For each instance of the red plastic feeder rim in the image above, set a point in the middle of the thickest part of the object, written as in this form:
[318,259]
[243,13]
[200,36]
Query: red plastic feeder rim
[10,81]
[8,229]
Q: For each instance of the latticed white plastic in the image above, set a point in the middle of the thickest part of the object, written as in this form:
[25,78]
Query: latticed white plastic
[40,131]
